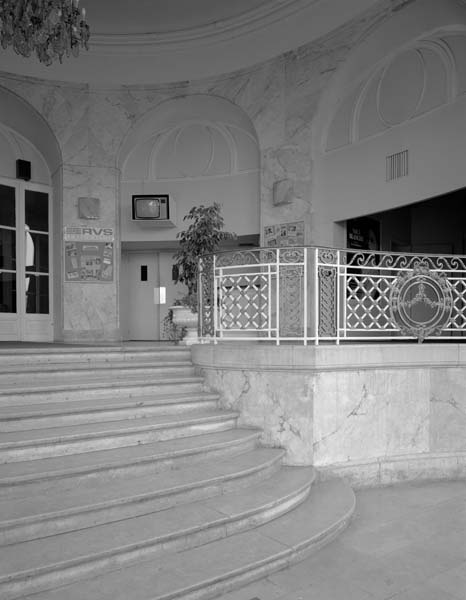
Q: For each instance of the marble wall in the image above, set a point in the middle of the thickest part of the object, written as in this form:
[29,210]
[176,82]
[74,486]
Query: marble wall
[374,413]
[280,96]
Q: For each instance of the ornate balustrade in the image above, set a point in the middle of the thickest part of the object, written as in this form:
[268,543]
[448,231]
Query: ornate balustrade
[308,295]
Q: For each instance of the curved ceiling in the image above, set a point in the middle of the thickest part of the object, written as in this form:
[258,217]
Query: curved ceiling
[158,41]
[163,16]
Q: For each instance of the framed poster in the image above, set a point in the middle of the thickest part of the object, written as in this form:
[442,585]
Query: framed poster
[89,255]
[284,234]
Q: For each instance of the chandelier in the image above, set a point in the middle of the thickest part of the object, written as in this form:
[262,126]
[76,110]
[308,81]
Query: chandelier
[50,28]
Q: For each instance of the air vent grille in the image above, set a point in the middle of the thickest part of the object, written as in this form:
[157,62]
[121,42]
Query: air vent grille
[396,165]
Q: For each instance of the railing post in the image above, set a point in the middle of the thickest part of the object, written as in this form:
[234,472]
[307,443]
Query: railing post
[277,299]
[338,298]
[316,295]
[215,307]
[305,306]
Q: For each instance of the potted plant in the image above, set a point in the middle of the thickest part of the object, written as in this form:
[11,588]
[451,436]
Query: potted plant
[203,236]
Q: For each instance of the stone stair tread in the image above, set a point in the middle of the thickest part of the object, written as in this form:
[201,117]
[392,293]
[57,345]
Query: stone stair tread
[55,348]
[163,525]
[95,367]
[45,503]
[211,569]
[102,381]
[69,432]
[102,404]
[76,463]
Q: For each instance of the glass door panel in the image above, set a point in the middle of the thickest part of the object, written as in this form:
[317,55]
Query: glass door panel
[36,251]
[37,294]
[25,277]
[7,206]
[7,292]
[8,249]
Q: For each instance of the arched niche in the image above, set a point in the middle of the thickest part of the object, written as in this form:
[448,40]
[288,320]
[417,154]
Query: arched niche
[199,149]
[400,94]
[25,134]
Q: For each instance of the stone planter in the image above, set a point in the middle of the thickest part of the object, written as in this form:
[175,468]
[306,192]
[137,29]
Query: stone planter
[184,317]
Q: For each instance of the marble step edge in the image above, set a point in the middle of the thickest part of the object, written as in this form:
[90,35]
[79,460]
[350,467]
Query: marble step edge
[183,373]
[100,389]
[157,462]
[109,403]
[34,449]
[72,570]
[246,440]
[98,369]
[107,413]
[81,517]
[91,349]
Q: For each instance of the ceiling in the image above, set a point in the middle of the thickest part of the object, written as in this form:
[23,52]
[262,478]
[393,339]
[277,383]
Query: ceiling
[163,16]
[146,42]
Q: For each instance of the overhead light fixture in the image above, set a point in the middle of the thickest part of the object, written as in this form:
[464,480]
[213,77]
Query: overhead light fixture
[49,28]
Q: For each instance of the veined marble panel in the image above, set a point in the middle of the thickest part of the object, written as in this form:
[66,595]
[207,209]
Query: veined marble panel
[358,414]
[448,410]
[280,406]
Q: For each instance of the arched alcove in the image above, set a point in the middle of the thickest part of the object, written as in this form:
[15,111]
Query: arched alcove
[25,135]
[387,132]
[197,149]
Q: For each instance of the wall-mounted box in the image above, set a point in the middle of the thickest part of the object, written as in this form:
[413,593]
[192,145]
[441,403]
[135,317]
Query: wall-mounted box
[155,210]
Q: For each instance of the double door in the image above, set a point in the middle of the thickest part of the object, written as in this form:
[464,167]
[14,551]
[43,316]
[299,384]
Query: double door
[25,270]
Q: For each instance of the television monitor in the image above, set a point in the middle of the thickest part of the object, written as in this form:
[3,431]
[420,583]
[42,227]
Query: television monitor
[151,208]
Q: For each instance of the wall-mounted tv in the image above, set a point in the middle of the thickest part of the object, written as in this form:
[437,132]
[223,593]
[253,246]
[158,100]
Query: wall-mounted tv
[151,207]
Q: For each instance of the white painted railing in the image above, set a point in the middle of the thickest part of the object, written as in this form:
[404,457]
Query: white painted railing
[309,295]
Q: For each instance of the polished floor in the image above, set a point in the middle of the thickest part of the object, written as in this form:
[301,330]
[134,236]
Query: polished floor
[406,542]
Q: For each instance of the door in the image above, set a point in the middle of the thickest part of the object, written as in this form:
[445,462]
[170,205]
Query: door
[141,290]
[25,274]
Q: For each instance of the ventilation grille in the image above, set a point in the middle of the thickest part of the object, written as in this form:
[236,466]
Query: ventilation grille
[396,165]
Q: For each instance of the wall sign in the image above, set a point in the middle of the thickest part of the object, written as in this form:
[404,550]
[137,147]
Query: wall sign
[88,254]
[285,234]
[363,234]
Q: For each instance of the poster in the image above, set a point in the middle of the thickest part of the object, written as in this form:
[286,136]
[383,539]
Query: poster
[284,234]
[89,256]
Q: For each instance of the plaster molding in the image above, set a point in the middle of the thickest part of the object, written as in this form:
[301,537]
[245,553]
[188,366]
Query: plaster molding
[253,20]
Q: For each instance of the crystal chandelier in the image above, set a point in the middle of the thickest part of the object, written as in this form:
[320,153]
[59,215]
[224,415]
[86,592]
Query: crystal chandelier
[50,28]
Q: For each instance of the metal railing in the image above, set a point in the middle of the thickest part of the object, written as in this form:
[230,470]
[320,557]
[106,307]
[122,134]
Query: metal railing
[309,295]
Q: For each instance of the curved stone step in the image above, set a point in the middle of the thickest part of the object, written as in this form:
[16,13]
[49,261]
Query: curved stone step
[65,472]
[41,564]
[214,568]
[42,443]
[27,417]
[46,514]
[54,373]
[72,391]
[62,354]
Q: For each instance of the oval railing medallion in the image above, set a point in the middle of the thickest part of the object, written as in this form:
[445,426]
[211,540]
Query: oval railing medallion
[420,302]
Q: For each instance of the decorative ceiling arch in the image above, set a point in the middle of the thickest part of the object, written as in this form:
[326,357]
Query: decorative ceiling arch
[427,36]
[20,117]
[418,79]
[190,136]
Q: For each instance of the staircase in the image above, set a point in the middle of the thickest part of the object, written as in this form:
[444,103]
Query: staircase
[121,478]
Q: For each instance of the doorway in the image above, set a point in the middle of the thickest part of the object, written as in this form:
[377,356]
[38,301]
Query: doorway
[25,269]
[140,299]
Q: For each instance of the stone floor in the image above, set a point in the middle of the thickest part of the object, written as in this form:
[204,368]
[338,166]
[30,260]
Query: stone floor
[406,542]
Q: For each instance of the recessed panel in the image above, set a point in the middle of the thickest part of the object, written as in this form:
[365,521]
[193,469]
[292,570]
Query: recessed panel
[401,88]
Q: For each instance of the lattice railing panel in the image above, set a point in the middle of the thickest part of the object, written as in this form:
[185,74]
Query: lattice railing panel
[244,302]
[325,293]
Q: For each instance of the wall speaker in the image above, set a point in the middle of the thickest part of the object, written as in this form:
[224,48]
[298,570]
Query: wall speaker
[23,169]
